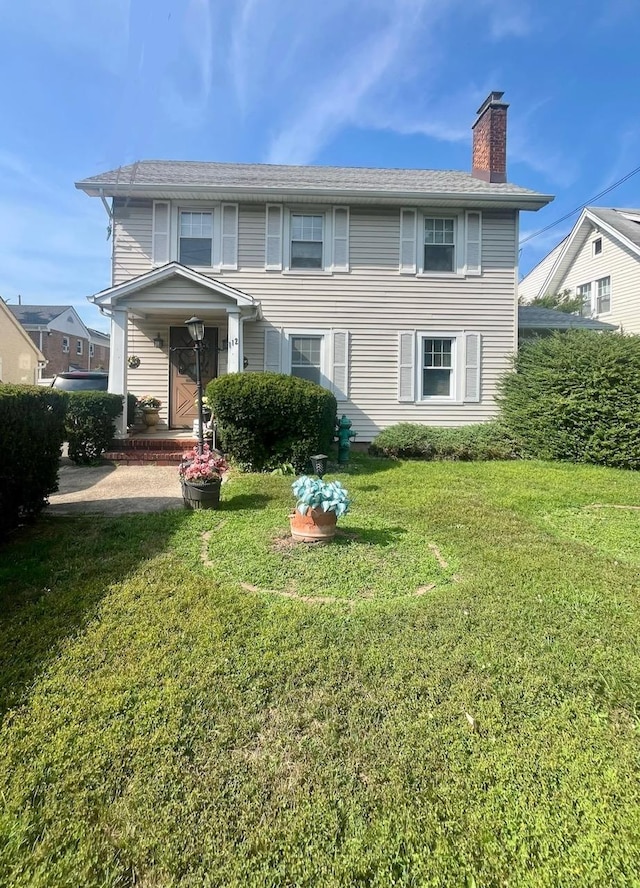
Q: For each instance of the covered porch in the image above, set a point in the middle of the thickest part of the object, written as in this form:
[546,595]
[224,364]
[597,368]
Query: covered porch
[151,350]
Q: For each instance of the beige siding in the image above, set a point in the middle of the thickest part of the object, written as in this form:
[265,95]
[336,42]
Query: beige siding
[622,266]
[531,285]
[373,301]
[19,355]
[132,227]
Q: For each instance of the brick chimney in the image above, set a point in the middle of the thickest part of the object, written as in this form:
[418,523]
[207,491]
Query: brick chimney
[489,161]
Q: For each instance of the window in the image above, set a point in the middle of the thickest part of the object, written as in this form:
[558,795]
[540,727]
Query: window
[437,367]
[597,246]
[307,241]
[439,244]
[65,345]
[78,346]
[196,238]
[306,357]
[92,350]
[603,295]
[584,292]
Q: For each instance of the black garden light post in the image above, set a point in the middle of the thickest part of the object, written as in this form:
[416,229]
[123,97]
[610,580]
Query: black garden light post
[196,331]
[319,464]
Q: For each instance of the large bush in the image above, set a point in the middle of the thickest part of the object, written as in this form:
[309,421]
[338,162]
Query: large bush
[31,436]
[409,440]
[90,424]
[576,396]
[267,419]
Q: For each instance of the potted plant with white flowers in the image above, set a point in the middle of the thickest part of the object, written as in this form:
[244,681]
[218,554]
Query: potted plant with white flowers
[318,507]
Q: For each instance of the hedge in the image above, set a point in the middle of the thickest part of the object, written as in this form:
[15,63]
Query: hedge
[268,419]
[31,436]
[407,440]
[576,396]
[90,424]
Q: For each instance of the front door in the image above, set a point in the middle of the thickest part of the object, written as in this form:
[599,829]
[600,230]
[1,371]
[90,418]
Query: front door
[182,373]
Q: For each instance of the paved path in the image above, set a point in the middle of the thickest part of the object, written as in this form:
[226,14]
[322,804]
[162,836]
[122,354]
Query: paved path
[111,490]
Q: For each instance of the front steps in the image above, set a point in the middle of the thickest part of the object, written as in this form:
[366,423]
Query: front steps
[155,449]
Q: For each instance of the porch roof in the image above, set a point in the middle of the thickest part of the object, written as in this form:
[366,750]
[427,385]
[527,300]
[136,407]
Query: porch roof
[208,293]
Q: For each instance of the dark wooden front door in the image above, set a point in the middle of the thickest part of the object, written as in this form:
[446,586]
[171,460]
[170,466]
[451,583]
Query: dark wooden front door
[182,373]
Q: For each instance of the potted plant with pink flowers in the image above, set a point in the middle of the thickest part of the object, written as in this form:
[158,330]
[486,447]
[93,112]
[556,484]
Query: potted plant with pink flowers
[201,477]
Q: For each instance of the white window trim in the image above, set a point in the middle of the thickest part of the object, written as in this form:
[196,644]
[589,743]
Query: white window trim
[594,294]
[327,239]
[458,240]
[325,351]
[177,207]
[79,347]
[593,246]
[458,344]
[65,345]
[92,349]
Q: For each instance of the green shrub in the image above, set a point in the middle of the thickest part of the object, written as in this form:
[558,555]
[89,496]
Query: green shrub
[576,396]
[31,436]
[409,440]
[90,424]
[268,419]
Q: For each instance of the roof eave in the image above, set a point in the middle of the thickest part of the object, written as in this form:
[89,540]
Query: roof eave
[533,201]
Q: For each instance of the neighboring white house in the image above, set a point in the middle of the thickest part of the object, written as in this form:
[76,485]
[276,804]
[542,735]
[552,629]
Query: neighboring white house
[394,288]
[599,261]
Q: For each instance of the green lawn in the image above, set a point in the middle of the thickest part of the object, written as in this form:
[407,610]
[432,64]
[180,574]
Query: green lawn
[447,696]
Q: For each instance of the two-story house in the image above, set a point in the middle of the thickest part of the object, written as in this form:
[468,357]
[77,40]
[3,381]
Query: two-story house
[394,288]
[60,334]
[600,262]
[20,359]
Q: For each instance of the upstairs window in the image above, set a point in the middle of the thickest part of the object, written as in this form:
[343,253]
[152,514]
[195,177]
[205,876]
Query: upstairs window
[439,244]
[603,295]
[196,238]
[597,246]
[307,241]
[65,345]
[584,292]
[92,350]
[78,346]
[306,357]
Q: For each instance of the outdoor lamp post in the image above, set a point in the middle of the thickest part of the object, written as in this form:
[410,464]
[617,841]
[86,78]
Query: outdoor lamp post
[196,331]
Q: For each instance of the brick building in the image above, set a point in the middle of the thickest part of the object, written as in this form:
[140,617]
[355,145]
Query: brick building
[63,338]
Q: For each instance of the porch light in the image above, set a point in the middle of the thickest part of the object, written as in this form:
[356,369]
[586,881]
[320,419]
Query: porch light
[196,329]
[319,464]
[158,341]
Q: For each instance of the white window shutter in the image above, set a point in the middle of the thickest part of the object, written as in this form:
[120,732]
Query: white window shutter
[273,349]
[408,241]
[160,234]
[340,364]
[406,360]
[472,367]
[273,241]
[473,250]
[229,236]
[341,238]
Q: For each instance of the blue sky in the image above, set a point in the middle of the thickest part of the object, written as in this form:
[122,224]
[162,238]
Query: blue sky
[91,84]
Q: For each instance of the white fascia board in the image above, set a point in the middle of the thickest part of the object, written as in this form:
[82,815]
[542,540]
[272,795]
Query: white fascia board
[108,298]
[71,309]
[532,201]
[592,220]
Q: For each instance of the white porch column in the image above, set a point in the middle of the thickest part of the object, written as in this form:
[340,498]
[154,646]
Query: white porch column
[234,339]
[118,365]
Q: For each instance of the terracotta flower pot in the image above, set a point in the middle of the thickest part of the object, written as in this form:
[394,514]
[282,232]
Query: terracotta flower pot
[315,526]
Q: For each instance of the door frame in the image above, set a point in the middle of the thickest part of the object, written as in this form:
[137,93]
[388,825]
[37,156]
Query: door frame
[214,331]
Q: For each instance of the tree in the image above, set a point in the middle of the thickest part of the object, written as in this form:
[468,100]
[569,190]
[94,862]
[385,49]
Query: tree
[563,301]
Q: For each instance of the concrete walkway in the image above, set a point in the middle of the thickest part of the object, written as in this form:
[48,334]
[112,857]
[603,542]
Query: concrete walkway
[111,490]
